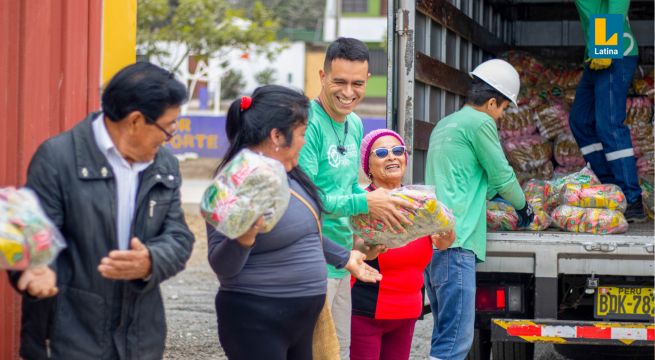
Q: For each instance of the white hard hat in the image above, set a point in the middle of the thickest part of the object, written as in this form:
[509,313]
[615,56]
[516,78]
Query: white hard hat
[500,75]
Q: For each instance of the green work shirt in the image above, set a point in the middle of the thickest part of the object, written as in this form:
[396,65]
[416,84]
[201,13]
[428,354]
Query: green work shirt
[335,174]
[466,164]
[587,8]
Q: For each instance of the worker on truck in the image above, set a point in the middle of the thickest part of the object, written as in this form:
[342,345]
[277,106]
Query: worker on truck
[465,162]
[598,111]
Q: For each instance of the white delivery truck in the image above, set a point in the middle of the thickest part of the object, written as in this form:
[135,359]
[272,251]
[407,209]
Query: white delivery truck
[591,295]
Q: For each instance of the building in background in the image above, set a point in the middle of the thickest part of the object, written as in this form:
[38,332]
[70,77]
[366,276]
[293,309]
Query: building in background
[365,20]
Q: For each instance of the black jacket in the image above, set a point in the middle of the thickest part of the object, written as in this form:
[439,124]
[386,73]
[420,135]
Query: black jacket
[93,317]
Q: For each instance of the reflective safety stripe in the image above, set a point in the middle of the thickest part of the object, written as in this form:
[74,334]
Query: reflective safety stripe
[591,148]
[531,331]
[620,154]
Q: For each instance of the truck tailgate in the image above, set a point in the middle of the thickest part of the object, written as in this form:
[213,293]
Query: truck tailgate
[549,253]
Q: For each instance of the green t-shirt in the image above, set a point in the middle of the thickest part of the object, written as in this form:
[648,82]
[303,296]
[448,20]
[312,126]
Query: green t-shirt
[466,164]
[335,174]
[587,8]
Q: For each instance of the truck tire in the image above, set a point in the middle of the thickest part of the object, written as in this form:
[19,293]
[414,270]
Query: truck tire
[481,346]
[512,351]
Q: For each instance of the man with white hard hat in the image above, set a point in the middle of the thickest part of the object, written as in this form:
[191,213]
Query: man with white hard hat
[465,162]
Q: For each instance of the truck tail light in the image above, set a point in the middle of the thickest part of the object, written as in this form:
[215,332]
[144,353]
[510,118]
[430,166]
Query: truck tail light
[499,298]
[490,298]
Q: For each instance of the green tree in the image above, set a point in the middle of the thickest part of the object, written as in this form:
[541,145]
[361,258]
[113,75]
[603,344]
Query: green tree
[232,84]
[205,27]
[294,14]
[266,76]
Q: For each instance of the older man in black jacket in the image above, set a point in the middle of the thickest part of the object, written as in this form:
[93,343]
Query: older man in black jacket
[114,193]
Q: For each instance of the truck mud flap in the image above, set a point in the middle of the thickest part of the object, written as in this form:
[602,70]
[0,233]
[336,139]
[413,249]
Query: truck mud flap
[573,332]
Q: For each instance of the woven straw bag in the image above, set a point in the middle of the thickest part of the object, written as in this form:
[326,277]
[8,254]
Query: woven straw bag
[325,345]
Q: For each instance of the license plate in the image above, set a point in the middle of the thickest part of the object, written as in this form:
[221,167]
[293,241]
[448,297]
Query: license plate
[623,302]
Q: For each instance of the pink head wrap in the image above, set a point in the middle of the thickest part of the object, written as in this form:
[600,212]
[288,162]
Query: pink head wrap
[369,140]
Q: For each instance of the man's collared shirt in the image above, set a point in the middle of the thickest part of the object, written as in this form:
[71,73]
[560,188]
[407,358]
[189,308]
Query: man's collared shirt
[126,176]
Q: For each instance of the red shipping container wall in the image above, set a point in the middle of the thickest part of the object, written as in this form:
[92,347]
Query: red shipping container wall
[49,80]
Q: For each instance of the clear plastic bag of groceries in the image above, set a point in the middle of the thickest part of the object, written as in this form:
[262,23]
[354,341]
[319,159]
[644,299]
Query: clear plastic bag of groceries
[606,196]
[589,220]
[27,237]
[430,218]
[248,187]
[647,197]
[501,216]
[584,176]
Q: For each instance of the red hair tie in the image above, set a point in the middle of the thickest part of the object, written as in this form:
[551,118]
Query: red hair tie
[246,101]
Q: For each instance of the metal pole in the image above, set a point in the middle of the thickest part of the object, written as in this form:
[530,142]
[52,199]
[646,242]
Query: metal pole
[404,28]
[337,18]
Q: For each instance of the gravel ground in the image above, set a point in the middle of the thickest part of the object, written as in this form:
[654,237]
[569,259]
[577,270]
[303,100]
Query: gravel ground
[189,301]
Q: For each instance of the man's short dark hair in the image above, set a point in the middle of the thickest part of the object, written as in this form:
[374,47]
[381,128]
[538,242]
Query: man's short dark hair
[480,92]
[345,48]
[142,87]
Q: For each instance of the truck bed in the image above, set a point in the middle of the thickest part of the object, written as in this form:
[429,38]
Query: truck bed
[634,231]
[552,252]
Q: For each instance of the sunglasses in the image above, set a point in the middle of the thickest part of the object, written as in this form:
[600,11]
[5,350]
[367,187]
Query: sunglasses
[382,153]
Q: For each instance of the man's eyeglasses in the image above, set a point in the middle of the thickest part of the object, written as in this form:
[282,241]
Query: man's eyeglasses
[382,153]
[169,135]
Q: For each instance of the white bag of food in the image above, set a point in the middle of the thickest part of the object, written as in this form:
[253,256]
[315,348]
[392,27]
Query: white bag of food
[251,185]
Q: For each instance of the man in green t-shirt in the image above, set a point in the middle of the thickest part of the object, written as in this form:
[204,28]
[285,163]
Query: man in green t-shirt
[330,158]
[465,163]
[598,112]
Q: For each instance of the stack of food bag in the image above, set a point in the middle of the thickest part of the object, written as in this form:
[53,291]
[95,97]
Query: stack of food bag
[552,119]
[516,122]
[502,216]
[596,209]
[27,237]
[248,187]
[567,78]
[642,83]
[639,119]
[567,153]
[529,156]
[547,93]
[431,217]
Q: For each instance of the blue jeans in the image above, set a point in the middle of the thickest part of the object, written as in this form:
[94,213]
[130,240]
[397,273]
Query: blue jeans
[450,285]
[596,120]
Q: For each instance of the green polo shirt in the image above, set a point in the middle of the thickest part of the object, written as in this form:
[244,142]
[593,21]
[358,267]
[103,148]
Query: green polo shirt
[465,162]
[587,8]
[335,174]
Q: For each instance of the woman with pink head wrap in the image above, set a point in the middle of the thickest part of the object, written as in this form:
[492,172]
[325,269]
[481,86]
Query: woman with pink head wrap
[384,314]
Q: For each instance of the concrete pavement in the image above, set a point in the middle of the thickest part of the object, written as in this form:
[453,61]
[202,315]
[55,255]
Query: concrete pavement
[192,190]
